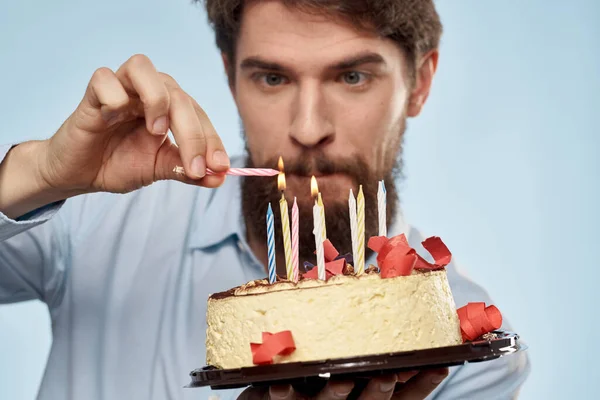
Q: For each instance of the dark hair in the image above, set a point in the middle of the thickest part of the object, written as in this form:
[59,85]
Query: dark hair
[413,24]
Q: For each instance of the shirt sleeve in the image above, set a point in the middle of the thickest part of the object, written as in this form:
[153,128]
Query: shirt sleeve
[499,379]
[32,249]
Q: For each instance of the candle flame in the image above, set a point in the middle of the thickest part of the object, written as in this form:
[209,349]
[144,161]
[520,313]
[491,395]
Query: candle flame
[281,181]
[280,164]
[314,188]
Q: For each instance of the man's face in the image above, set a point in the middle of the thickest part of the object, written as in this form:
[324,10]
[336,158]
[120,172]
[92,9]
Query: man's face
[326,97]
[306,85]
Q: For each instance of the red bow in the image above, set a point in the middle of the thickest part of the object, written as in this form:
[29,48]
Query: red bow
[332,266]
[396,258]
[476,320]
[281,343]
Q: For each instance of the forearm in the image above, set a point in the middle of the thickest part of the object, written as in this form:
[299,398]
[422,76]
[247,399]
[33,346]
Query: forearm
[22,189]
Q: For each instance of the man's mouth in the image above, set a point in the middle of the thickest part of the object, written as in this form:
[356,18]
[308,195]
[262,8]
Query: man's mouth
[317,175]
[326,182]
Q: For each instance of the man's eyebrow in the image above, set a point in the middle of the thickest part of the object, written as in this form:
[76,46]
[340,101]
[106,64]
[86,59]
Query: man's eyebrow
[348,63]
[360,59]
[259,63]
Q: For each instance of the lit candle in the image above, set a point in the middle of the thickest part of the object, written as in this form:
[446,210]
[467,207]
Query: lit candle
[285,227]
[381,207]
[318,230]
[323,225]
[295,250]
[353,227]
[271,244]
[360,223]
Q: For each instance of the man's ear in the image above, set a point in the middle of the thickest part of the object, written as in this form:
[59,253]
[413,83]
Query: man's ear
[229,71]
[423,77]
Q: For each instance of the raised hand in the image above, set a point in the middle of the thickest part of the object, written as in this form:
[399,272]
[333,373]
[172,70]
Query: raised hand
[116,140]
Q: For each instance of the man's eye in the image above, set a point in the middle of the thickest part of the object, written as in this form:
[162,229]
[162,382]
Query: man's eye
[272,79]
[354,77]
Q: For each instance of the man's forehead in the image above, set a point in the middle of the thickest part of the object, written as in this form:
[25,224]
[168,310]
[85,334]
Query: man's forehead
[270,30]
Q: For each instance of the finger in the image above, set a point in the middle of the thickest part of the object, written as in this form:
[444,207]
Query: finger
[188,132]
[380,388]
[212,181]
[140,78]
[406,375]
[281,392]
[421,385]
[253,394]
[216,156]
[335,391]
[105,97]
[169,166]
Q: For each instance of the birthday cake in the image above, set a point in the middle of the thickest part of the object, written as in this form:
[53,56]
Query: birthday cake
[405,303]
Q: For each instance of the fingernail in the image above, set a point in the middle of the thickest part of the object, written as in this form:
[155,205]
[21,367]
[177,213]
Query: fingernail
[221,158]
[342,391]
[160,126]
[279,392]
[199,166]
[387,386]
[437,379]
[405,376]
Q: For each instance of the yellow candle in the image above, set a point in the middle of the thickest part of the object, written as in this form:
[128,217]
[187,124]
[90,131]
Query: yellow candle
[285,225]
[360,225]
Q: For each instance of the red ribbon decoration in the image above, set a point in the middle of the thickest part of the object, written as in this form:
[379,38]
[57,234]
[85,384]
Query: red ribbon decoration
[329,251]
[476,320]
[332,266]
[395,257]
[281,343]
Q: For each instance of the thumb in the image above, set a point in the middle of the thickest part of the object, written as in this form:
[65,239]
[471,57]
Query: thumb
[170,166]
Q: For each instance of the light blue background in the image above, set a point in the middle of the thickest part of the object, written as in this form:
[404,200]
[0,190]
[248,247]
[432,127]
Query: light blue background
[503,164]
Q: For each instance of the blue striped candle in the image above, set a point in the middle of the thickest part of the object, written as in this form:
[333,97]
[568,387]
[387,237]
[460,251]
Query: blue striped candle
[271,244]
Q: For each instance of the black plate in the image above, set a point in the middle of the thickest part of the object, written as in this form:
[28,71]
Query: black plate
[309,377]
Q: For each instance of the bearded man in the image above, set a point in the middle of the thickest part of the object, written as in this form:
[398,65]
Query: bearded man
[97,223]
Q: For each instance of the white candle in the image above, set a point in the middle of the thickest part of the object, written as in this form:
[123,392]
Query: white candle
[323,224]
[318,232]
[381,207]
[353,227]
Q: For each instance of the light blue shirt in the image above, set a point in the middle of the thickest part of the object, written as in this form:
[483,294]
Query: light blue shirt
[126,279]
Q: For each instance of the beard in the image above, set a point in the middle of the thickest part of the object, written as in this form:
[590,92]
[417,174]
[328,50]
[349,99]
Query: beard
[258,192]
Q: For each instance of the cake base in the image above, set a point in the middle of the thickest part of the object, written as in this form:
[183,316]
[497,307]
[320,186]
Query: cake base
[310,377]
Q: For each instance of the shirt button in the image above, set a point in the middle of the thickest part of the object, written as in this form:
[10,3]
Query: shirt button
[240,246]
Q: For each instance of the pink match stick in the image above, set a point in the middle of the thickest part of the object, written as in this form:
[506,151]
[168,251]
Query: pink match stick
[246,172]
[236,171]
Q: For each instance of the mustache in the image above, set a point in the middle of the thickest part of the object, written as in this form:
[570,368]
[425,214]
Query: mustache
[317,163]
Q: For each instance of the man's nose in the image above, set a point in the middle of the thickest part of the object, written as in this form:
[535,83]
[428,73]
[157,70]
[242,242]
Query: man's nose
[310,125]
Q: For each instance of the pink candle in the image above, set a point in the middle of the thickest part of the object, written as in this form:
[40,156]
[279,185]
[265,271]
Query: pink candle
[246,172]
[235,171]
[295,221]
